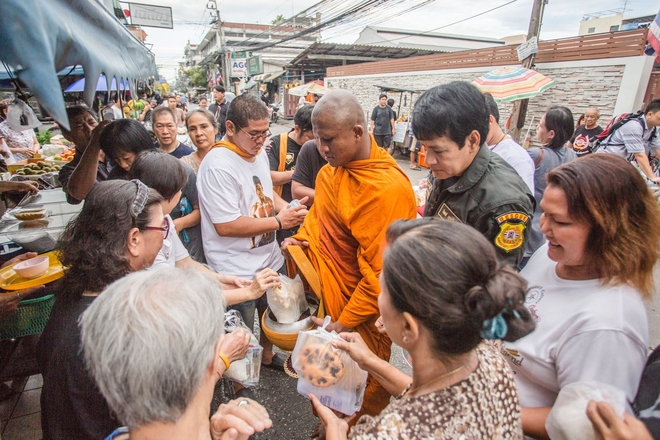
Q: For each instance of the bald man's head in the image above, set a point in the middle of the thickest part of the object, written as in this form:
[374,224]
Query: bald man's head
[344,108]
[340,128]
[591,118]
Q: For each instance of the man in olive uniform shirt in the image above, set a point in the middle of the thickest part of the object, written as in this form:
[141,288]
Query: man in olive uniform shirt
[470,184]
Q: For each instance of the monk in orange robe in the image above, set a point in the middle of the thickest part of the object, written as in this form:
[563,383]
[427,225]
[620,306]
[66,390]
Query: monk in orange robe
[357,196]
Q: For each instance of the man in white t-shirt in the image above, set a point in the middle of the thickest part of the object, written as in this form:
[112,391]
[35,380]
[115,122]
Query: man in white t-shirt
[505,147]
[240,211]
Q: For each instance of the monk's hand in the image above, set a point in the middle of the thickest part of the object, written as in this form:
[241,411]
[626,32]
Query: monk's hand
[336,326]
[335,427]
[291,217]
[292,242]
[239,419]
[609,426]
[234,345]
[264,280]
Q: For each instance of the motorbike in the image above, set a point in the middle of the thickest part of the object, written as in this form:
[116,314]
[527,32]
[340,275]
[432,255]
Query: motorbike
[274,113]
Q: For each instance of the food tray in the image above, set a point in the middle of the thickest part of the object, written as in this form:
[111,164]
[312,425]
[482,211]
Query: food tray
[10,280]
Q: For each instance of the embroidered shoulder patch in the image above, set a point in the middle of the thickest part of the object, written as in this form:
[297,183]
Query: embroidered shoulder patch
[447,214]
[512,230]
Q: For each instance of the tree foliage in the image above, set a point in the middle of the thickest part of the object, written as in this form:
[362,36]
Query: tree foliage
[277,19]
[197,76]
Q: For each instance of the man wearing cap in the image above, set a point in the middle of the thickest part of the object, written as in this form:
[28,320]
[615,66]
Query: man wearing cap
[219,109]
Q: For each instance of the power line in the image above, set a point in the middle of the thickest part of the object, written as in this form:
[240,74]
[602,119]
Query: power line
[456,22]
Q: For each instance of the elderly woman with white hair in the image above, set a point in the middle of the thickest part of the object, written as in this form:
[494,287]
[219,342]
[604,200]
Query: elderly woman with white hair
[152,341]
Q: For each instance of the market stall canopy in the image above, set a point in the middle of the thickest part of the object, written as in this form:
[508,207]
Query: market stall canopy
[513,83]
[101,85]
[41,37]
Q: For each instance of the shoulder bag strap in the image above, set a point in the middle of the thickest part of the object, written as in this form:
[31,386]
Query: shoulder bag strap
[540,158]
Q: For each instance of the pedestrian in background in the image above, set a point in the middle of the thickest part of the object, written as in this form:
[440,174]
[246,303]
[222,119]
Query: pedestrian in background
[382,123]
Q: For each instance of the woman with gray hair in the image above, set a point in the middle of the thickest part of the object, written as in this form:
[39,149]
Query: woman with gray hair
[119,230]
[154,343]
[202,129]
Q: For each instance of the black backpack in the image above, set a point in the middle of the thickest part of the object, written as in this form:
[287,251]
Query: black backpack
[647,401]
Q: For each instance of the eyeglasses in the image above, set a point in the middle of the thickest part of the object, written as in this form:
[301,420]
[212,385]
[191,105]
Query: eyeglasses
[254,137]
[165,228]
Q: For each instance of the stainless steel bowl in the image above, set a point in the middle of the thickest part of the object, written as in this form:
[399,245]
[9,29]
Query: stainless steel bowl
[297,326]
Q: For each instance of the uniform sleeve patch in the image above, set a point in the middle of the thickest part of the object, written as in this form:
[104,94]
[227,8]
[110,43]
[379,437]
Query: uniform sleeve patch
[512,231]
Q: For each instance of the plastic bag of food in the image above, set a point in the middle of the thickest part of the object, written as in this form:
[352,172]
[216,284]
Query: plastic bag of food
[327,372]
[568,418]
[287,301]
[244,371]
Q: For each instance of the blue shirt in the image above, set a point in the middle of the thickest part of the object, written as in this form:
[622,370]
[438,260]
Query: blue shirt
[180,151]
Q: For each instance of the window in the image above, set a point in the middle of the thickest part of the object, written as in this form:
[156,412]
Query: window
[614,28]
[591,30]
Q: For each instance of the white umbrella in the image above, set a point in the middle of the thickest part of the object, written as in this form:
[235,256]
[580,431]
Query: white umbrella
[311,87]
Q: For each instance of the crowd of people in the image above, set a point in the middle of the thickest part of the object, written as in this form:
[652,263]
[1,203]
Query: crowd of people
[526,273]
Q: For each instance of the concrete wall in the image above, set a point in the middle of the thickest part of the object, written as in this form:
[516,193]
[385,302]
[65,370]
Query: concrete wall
[613,86]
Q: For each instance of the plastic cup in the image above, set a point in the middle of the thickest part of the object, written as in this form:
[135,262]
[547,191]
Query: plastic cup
[253,365]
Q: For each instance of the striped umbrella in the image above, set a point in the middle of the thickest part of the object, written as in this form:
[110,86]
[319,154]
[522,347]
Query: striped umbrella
[513,83]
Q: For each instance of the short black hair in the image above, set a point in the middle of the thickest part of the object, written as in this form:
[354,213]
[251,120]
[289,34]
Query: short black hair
[160,171]
[74,112]
[390,102]
[303,117]
[125,135]
[560,120]
[219,89]
[652,106]
[454,110]
[382,95]
[492,107]
[244,108]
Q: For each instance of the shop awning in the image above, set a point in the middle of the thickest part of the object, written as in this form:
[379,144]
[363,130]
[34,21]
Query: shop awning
[41,37]
[268,77]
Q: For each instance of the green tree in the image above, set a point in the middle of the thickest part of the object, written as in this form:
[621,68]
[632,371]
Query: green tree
[277,19]
[197,76]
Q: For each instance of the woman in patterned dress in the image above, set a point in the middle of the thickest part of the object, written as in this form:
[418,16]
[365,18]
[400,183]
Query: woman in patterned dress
[461,387]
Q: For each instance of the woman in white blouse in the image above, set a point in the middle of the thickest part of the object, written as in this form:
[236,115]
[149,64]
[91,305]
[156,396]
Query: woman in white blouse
[587,283]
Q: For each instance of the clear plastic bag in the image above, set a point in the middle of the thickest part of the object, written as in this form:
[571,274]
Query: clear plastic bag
[287,301]
[9,158]
[244,371]
[328,373]
[568,418]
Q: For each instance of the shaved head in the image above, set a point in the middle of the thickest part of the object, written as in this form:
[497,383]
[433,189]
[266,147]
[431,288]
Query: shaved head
[340,128]
[344,107]
[591,118]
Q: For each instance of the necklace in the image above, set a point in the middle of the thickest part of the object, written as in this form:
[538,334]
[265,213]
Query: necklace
[410,390]
[500,141]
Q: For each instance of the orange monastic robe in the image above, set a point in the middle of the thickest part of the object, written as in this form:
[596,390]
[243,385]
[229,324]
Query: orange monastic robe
[353,206]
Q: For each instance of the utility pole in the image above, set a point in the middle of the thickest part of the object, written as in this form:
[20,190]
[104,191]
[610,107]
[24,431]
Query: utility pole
[213,7]
[520,107]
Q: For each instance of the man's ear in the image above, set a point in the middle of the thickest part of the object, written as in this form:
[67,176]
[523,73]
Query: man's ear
[358,130]
[231,128]
[473,141]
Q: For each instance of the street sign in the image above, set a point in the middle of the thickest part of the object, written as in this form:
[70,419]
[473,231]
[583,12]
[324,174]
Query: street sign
[150,15]
[241,54]
[528,48]
[254,66]
[238,67]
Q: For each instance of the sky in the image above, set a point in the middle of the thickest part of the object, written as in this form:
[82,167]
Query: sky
[561,19]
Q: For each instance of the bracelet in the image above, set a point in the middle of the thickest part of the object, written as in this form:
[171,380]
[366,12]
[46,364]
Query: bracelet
[225,360]
[279,222]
